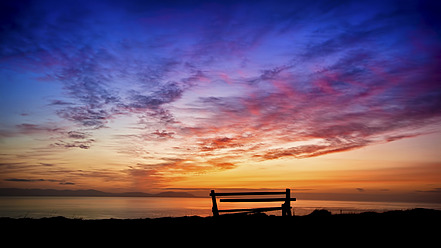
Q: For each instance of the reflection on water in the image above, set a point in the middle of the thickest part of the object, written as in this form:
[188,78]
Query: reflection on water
[154,207]
[103,207]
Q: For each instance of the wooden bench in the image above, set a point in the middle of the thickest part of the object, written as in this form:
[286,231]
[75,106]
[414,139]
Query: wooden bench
[286,206]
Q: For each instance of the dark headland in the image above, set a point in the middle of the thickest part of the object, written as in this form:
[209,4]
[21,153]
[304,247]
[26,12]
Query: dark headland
[422,225]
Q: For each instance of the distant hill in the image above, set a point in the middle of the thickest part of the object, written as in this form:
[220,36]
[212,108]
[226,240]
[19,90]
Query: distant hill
[89,192]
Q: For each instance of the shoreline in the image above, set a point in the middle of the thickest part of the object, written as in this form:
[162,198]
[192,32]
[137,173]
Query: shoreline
[319,212]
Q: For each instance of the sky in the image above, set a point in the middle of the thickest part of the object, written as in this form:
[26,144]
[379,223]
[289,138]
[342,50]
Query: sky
[338,99]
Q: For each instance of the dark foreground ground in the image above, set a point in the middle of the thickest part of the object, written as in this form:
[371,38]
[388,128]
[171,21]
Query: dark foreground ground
[420,227]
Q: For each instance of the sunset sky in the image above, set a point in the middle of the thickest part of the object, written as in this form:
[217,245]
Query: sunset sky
[328,98]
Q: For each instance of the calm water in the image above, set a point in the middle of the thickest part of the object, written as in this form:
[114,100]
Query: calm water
[154,207]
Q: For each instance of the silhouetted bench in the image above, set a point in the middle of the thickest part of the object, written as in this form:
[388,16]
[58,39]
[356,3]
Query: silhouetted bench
[286,206]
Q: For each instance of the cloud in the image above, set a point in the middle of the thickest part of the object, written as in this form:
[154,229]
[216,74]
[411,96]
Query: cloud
[77,135]
[23,180]
[354,100]
[167,93]
[434,190]
[93,118]
[65,139]
[47,164]
[219,143]
[61,182]
[67,183]
[27,128]
[306,151]
[59,103]
[163,134]
[73,139]
[83,144]
[160,174]
[142,177]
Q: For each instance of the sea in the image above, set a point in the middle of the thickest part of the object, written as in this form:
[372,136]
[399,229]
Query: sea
[156,207]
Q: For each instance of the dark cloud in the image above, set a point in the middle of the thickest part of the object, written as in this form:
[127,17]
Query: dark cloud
[434,190]
[23,180]
[64,139]
[163,134]
[27,128]
[93,118]
[167,93]
[159,116]
[78,135]
[83,144]
[67,183]
[59,103]
[62,182]
[47,164]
